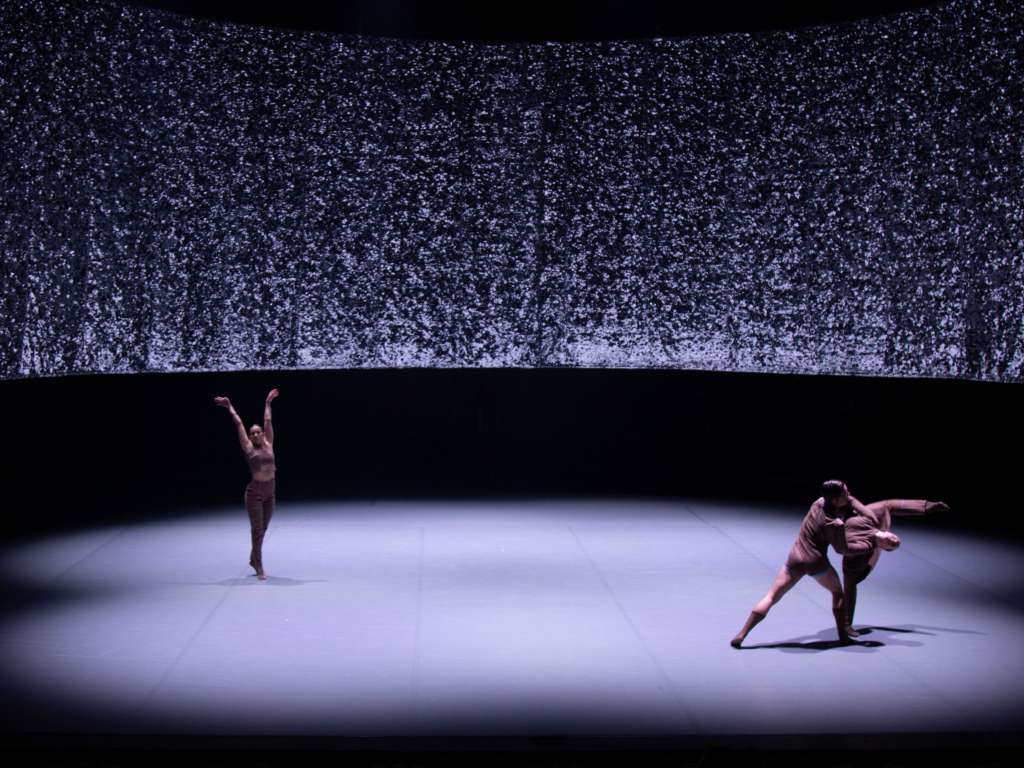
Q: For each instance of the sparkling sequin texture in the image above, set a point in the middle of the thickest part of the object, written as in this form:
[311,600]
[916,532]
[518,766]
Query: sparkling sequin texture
[184,195]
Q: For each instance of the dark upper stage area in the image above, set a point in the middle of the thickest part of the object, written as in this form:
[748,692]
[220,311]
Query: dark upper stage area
[536,20]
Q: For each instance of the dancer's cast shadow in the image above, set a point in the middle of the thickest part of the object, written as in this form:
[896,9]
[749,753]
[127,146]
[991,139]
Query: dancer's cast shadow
[880,637]
[806,643]
[252,581]
[271,581]
[921,629]
[907,635]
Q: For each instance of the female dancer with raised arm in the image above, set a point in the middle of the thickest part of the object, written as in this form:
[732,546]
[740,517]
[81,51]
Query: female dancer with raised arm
[867,535]
[822,525]
[258,447]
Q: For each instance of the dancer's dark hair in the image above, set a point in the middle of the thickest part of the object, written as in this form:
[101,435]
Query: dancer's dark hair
[832,489]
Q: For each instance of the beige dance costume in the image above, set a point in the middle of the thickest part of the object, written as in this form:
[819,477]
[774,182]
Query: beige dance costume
[259,500]
[808,557]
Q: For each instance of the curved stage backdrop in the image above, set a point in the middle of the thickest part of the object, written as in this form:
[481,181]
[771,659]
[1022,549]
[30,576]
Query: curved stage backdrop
[182,195]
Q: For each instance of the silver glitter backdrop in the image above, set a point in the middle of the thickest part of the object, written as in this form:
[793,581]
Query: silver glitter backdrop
[184,195]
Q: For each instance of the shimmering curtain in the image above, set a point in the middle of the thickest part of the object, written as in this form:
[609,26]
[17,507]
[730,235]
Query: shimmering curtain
[183,195]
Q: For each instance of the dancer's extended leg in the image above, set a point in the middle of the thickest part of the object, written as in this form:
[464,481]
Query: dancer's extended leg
[254,505]
[829,579]
[850,596]
[268,512]
[784,582]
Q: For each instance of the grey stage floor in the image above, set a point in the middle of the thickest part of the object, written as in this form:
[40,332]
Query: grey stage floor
[583,618]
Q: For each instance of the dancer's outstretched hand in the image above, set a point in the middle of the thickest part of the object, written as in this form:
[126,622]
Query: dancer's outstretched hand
[223,402]
[272,395]
[935,506]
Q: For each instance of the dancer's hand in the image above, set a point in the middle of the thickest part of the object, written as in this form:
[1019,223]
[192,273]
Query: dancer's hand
[223,402]
[935,506]
[835,522]
[272,395]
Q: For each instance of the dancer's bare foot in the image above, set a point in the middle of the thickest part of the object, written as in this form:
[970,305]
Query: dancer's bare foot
[736,642]
[261,575]
[851,631]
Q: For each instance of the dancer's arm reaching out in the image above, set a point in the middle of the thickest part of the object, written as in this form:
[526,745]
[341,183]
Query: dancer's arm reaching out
[243,438]
[268,425]
[913,507]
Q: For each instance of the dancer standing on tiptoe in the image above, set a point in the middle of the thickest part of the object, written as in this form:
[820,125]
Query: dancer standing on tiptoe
[867,535]
[258,447]
[822,525]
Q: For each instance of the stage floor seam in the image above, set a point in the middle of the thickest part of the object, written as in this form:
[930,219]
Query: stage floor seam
[669,685]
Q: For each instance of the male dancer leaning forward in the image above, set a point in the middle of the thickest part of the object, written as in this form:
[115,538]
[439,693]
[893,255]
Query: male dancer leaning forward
[258,447]
[822,525]
[867,535]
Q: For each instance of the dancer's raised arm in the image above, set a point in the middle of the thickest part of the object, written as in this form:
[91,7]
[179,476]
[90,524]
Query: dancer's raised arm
[268,424]
[243,438]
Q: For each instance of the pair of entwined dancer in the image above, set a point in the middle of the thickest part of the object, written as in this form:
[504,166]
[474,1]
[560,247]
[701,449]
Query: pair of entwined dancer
[857,531]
